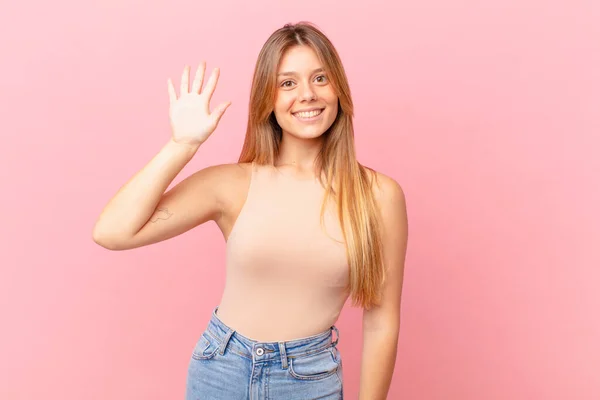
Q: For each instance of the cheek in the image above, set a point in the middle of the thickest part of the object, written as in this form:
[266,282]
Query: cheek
[332,102]
[284,103]
[329,96]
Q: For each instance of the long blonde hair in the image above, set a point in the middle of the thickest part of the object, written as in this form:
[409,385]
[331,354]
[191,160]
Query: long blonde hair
[348,182]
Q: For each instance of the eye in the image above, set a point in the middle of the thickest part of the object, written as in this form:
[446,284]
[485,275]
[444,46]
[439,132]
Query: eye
[324,78]
[283,84]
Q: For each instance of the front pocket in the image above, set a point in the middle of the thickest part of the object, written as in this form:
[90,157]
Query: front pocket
[205,348]
[313,366]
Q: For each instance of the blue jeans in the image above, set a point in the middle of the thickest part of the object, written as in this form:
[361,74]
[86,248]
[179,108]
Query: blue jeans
[228,366]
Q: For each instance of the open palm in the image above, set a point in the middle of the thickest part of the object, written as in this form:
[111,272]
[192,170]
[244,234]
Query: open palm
[191,119]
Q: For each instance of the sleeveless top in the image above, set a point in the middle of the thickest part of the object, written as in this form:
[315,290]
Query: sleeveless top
[286,277]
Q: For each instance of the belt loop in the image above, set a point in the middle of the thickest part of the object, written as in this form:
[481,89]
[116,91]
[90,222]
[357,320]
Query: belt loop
[284,360]
[225,341]
[337,334]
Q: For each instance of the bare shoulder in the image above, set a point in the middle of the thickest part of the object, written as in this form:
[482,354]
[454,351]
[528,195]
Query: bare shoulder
[230,171]
[231,184]
[391,200]
[388,192]
[229,181]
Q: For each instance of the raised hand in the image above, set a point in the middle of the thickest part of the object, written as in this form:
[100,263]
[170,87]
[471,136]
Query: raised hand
[192,122]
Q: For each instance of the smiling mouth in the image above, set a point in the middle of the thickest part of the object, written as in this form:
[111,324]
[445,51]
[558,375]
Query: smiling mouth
[307,116]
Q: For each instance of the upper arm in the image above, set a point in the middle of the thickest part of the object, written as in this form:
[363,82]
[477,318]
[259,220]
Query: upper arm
[391,200]
[195,200]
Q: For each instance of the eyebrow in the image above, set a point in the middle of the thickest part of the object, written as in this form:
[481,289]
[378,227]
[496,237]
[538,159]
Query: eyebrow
[294,73]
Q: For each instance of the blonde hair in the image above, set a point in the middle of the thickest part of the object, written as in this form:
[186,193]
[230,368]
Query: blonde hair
[348,182]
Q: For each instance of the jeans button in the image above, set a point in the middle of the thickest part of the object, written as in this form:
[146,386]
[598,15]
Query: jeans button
[260,351]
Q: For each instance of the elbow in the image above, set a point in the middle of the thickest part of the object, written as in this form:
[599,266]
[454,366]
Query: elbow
[106,240]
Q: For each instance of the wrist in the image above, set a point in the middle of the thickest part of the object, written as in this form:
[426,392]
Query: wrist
[190,148]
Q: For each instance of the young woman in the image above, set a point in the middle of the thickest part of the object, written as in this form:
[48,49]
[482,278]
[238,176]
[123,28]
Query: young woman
[306,226]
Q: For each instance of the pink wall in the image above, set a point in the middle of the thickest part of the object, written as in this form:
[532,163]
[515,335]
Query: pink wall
[486,112]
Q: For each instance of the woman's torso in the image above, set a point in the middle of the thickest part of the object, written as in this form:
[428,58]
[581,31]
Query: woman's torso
[285,277]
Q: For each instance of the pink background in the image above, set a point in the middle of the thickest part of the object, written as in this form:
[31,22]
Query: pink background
[486,112]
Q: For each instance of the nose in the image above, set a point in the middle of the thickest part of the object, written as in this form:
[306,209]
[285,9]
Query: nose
[307,93]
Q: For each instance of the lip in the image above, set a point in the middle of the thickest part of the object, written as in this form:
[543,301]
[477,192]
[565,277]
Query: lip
[312,119]
[309,109]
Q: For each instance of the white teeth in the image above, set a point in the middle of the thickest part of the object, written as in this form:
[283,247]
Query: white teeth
[309,114]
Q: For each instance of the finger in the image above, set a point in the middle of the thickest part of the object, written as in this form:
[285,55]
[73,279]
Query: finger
[212,83]
[199,78]
[219,111]
[171,88]
[185,81]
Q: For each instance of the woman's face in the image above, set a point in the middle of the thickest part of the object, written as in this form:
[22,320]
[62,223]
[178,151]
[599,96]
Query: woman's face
[306,104]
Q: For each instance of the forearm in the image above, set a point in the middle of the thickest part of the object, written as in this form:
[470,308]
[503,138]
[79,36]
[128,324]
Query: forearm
[378,361]
[135,202]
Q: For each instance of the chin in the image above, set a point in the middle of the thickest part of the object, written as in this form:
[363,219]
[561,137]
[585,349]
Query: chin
[307,132]
[302,135]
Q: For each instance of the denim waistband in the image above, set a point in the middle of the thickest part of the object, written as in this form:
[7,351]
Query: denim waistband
[265,351]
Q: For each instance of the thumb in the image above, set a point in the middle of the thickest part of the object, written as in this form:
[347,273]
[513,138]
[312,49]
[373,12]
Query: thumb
[220,110]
